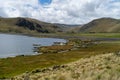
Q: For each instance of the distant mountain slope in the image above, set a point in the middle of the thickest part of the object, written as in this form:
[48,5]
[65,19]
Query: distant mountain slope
[26,25]
[69,27]
[102,25]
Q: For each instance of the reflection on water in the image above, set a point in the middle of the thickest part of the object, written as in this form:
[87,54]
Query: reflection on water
[12,45]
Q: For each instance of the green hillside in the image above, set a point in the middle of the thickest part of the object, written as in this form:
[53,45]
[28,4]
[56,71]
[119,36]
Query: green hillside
[26,25]
[102,25]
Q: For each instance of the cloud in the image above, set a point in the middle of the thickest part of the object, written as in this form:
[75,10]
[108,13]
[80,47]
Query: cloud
[61,11]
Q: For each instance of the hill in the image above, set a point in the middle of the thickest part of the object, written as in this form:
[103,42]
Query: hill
[26,25]
[102,25]
[30,26]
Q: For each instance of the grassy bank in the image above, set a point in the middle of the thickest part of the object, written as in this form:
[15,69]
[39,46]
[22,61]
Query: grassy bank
[68,35]
[14,66]
[94,35]
[99,67]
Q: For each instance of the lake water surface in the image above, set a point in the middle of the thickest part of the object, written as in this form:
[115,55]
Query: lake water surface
[13,45]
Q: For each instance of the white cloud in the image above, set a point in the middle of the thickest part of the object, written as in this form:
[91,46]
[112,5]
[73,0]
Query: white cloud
[61,11]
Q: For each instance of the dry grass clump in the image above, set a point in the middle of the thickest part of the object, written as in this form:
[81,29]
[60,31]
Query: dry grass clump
[99,67]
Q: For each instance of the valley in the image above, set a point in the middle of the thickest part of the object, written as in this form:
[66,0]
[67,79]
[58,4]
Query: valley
[14,67]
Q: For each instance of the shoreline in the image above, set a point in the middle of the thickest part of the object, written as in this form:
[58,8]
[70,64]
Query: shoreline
[42,35]
[65,36]
[26,35]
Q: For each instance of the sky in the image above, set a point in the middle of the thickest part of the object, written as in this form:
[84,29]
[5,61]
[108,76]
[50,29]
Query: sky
[61,11]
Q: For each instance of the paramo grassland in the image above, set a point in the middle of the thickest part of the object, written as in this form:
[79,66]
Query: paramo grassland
[99,67]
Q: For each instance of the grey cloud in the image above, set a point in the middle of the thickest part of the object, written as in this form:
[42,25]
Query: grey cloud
[61,11]
[2,13]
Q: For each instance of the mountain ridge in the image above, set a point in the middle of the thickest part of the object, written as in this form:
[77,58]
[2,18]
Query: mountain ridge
[102,25]
[29,25]
[19,25]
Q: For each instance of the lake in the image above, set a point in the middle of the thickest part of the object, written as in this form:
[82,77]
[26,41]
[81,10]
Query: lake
[13,45]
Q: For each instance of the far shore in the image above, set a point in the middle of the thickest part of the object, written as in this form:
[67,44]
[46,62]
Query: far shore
[68,36]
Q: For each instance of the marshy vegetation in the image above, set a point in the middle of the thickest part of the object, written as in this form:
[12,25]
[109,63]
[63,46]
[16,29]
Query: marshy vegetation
[71,44]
